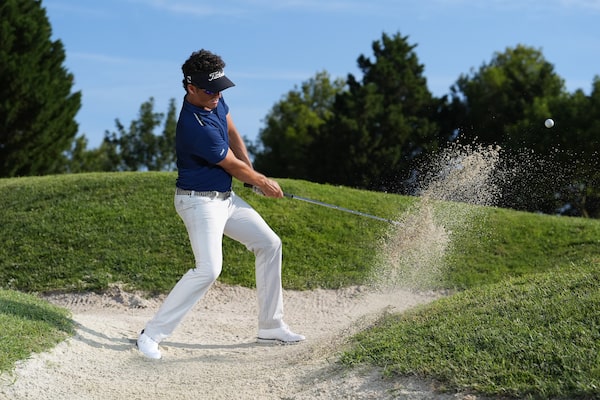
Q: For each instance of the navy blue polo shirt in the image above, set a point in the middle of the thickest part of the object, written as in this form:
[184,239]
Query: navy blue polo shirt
[201,142]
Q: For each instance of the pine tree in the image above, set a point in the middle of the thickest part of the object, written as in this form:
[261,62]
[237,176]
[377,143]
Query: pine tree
[380,125]
[37,108]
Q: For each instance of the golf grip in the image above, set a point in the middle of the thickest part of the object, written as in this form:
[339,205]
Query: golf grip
[258,191]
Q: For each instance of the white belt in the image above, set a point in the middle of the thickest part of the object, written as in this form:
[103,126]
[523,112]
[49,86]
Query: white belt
[211,194]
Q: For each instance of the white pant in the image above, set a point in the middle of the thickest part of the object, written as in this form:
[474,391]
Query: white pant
[206,221]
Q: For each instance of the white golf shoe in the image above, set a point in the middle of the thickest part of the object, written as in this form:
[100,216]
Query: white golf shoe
[147,346]
[282,335]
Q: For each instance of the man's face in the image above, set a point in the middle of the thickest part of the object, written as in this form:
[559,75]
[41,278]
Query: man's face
[202,98]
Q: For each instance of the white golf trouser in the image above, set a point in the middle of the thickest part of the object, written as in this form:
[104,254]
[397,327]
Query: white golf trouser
[206,221]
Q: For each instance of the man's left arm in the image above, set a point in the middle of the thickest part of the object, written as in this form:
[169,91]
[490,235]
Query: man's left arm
[236,143]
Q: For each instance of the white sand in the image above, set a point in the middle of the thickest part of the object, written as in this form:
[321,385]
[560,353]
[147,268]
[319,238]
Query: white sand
[213,354]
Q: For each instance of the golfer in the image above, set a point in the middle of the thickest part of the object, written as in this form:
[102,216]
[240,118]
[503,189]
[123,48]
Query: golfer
[210,151]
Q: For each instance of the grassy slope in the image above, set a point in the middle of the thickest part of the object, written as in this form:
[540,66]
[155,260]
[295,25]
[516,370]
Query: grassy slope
[85,232]
[536,336]
[29,325]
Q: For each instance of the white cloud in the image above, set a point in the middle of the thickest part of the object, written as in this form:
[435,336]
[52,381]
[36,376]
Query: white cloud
[311,5]
[274,75]
[189,7]
[581,4]
[76,8]
[102,58]
[522,4]
[240,8]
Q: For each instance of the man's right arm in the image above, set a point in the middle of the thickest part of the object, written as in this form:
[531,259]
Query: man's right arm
[242,171]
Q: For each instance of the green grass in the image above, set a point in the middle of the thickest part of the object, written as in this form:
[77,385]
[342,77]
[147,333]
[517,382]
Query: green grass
[29,325]
[84,232]
[508,243]
[535,336]
[523,322]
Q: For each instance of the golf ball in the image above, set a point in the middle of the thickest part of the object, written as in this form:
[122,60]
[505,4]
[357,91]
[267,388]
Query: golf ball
[549,123]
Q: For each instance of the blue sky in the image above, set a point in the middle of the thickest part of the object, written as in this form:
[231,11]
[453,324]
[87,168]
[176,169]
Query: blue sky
[122,52]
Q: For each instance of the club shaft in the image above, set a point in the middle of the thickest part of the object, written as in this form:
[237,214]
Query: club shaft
[320,203]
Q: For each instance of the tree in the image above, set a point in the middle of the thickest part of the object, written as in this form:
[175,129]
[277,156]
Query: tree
[139,148]
[576,140]
[292,125]
[380,125]
[504,101]
[102,159]
[37,108]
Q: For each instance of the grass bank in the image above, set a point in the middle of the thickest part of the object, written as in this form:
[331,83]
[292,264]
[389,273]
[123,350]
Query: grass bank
[29,325]
[537,336]
[85,232]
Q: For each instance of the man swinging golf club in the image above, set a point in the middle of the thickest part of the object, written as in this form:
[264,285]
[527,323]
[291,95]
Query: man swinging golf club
[210,151]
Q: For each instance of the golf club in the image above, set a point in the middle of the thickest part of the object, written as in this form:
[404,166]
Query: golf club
[320,203]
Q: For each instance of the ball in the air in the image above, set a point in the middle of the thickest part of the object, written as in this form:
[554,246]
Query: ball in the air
[549,123]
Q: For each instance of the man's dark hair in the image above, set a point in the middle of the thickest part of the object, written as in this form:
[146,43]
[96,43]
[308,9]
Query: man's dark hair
[201,61]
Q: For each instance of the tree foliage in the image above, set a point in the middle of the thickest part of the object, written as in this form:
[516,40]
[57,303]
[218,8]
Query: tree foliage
[506,102]
[380,124]
[37,108]
[577,140]
[140,148]
[292,126]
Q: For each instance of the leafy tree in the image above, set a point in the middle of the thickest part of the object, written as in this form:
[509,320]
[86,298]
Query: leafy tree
[292,125]
[576,142]
[78,157]
[102,159]
[139,148]
[380,125]
[504,101]
[166,159]
[37,108]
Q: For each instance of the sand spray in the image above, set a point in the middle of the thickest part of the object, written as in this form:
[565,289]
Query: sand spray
[454,183]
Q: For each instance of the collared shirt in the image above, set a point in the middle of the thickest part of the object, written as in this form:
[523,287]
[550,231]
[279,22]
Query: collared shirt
[201,142]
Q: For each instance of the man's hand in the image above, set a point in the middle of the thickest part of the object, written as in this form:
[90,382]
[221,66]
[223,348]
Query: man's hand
[271,189]
[260,192]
